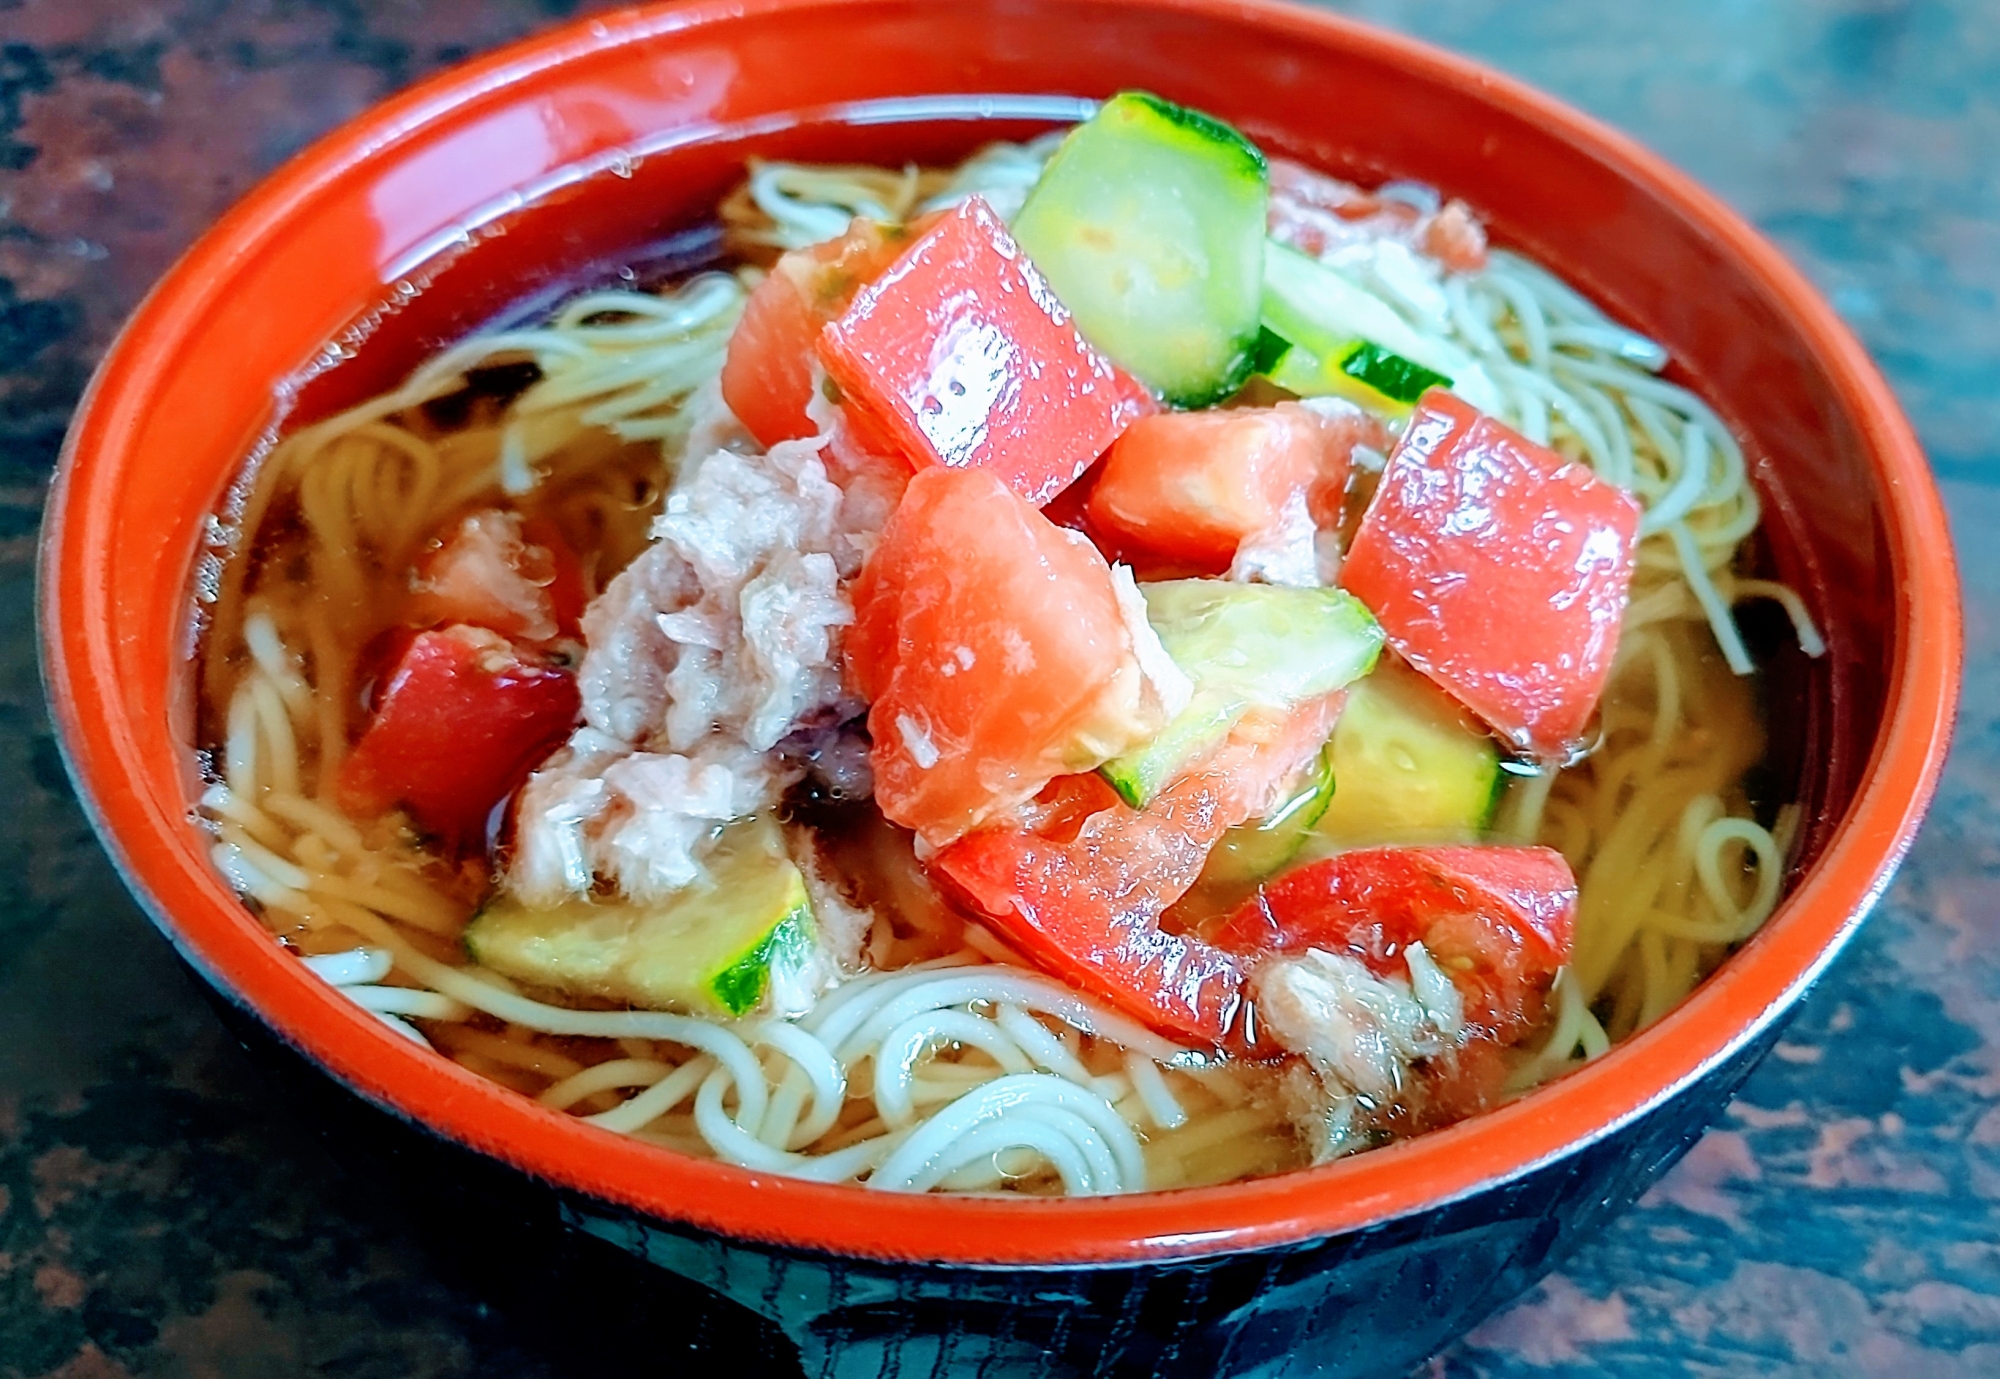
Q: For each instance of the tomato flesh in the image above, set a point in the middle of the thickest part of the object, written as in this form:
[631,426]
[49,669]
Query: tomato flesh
[992,650]
[959,355]
[1080,891]
[1189,487]
[1499,570]
[767,375]
[1498,920]
[1049,899]
[461,720]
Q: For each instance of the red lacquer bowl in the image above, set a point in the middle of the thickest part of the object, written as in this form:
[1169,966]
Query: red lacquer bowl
[506,180]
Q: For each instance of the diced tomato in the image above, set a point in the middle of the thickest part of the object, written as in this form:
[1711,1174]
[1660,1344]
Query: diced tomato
[1049,900]
[1498,920]
[1190,487]
[1498,570]
[1135,399]
[992,650]
[461,720]
[960,355]
[488,575]
[767,376]
[1080,893]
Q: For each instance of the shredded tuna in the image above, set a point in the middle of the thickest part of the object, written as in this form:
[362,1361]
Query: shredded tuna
[1319,215]
[1287,552]
[843,926]
[489,574]
[1166,683]
[717,645]
[1359,1033]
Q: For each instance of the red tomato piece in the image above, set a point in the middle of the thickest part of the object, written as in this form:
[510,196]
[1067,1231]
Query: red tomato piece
[1081,897]
[1190,487]
[488,575]
[767,376]
[461,720]
[1051,901]
[993,652]
[1498,920]
[960,355]
[1498,570]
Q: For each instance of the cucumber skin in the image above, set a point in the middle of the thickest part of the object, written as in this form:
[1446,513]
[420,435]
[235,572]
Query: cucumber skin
[1360,372]
[1210,131]
[1200,136]
[740,986]
[1400,380]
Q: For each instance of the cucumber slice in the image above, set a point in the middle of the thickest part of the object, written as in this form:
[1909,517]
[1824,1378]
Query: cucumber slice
[1196,730]
[1361,372]
[715,948]
[1251,852]
[1149,224]
[1313,306]
[1244,646]
[1412,766]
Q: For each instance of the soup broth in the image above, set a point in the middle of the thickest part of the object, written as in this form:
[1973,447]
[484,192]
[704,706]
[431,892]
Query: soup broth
[924,1048]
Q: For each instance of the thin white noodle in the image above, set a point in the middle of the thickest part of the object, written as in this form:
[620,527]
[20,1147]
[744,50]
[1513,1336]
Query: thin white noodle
[1039,1044]
[900,1051]
[659,1098]
[603,1077]
[1712,603]
[355,966]
[1154,1094]
[932,1140]
[402,1000]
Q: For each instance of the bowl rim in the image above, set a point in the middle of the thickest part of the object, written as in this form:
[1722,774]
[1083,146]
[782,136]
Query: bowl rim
[1724,1015]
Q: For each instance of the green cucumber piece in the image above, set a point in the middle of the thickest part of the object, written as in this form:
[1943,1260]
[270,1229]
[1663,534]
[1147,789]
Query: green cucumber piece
[1249,853]
[1413,767]
[1388,375]
[1244,646]
[715,948]
[1361,372]
[1149,224]
[1196,730]
[1316,308]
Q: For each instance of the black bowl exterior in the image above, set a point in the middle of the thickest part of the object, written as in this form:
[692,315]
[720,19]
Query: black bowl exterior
[1368,1304]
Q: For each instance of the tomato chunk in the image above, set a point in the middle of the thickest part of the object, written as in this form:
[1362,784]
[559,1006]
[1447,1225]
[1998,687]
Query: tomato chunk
[994,654]
[1498,920]
[1190,487]
[461,720]
[767,375]
[1081,897]
[960,355]
[489,575]
[1498,570]
[1050,900]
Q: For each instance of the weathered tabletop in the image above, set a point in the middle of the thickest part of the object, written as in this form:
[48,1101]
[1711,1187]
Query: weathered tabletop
[160,1215]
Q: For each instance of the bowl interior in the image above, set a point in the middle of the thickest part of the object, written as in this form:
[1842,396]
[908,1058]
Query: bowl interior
[490,192]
